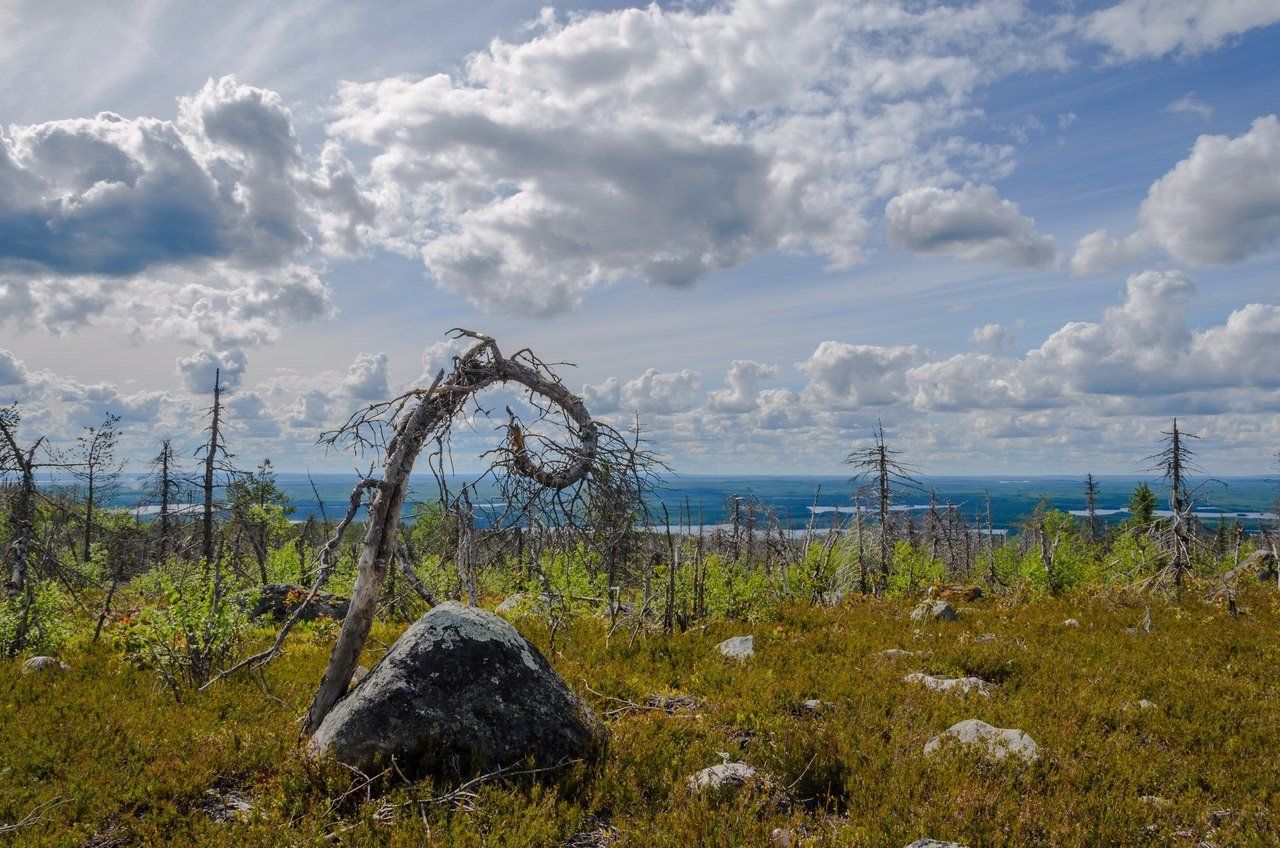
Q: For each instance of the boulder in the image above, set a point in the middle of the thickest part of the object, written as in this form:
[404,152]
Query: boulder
[936,610]
[39,665]
[723,776]
[962,685]
[460,692]
[277,601]
[738,647]
[996,743]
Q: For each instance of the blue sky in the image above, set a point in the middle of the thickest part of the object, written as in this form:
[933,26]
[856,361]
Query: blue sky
[760,226]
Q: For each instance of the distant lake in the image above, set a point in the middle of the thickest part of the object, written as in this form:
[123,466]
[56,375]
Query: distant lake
[793,498]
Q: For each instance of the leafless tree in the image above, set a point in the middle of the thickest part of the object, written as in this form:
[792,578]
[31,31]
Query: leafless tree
[537,473]
[881,475]
[1176,461]
[1092,526]
[93,460]
[214,457]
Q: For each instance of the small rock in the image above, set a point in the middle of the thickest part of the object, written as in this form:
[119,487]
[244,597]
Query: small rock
[984,638]
[1156,801]
[359,674]
[784,837]
[226,804]
[277,601]
[509,605]
[738,647]
[938,611]
[934,843]
[37,665]
[1070,622]
[997,743]
[810,707]
[723,776]
[964,685]
[1144,704]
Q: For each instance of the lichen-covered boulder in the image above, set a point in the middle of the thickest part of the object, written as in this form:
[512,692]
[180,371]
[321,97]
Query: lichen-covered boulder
[460,692]
[277,601]
[39,665]
[723,776]
[995,743]
[961,685]
[937,611]
[738,648]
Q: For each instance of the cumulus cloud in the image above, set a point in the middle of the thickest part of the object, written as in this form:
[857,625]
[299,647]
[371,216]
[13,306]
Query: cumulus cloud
[850,375]
[742,386]
[993,338]
[199,370]
[13,372]
[1219,206]
[1149,29]
[367,377]
[663,391]
[666,144]
[971,222]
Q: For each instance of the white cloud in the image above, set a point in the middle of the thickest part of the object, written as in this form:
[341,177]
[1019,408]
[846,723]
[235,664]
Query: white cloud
[993,338]
[367,378]
[1149,29]
[1219,206]
[200,368]
[1189,104]
[1222,203]
[971,222]
[848,375]
[661,392]
[665,145]
[742,386]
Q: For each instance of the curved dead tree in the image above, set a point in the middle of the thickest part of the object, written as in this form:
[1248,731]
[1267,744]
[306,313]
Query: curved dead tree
[532,469]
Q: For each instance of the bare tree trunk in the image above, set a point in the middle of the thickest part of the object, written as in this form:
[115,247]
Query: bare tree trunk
[436,408]
[210,462]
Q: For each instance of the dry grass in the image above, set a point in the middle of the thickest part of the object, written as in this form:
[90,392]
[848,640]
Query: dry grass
[131,767]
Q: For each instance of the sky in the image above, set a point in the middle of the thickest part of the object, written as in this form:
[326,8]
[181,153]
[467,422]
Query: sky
[1023,236]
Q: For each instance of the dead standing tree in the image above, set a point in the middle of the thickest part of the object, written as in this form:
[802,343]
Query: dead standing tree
[1176,461]
[535,467]
[881,475]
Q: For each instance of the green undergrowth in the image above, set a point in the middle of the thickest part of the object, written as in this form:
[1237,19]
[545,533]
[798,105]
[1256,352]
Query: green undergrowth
[117,761]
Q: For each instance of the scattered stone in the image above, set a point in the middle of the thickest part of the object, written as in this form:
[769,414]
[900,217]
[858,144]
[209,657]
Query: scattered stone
[962,593]
[785,837]
[723,776]
[963,685]
[511,604]
[934,843]
[938,611]
[461,691]
[39,665]
[277,601]
[359,674]
[810,707]
[997,743]
[1144,704]
[226,804]
[897,653]
[1156,801]
[673,704]
[984,638]
[738,647]
[1070,622]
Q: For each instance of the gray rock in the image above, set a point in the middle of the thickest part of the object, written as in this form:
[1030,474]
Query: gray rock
[962,685]
[938,611]
[738,647]
[226,805]
[511,604]
[38,665]
[359,674]
[461,691]
[277,601]
[996,743]
[1070,622]
[934,843]
[723,776]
